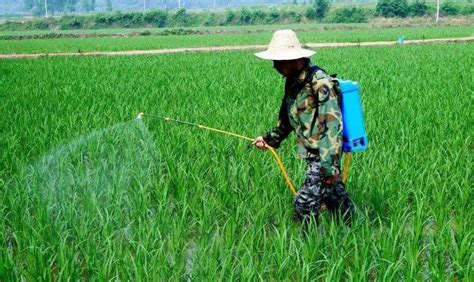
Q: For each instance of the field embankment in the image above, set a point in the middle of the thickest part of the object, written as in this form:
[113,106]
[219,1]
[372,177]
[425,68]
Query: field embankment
[236,48]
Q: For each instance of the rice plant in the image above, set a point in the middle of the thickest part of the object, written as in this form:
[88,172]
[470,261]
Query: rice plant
[89,193]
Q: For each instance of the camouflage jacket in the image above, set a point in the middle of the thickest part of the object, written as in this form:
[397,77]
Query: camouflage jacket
[313,112]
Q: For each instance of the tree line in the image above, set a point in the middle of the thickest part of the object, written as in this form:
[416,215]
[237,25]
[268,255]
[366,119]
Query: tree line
[402,8]
[39,7]
[319,10]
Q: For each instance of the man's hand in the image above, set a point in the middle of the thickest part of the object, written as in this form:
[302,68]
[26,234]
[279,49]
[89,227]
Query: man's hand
[259,143]
[331,180]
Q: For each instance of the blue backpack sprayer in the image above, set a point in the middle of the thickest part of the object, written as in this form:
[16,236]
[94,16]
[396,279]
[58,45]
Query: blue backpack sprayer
[354,135]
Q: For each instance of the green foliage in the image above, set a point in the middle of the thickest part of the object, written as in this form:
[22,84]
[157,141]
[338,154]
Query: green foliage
[135,19]
[449,8]
[82,198]
[392,8]
[72,22]
[322,7]
[103,20]
[156,18]
[178,31]
[211,20]
[418,8]
[46,23]
[349,15]
[310,13]
[245,16]
[274,16]
[12,25]
[230,16]
[294,16]
[180,18]
[467,9]
[318,9]
[258,16]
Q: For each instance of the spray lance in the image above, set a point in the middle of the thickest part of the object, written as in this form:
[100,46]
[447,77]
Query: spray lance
[275,155]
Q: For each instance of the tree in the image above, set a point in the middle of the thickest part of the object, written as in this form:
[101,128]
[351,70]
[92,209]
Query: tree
[157,18]
[349,15]
[245,16]
[392,8]
[229,16]
[418,8]
[449,8]
[180,18]
[318,9]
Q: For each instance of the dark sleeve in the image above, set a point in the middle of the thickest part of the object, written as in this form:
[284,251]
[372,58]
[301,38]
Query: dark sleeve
[276,135]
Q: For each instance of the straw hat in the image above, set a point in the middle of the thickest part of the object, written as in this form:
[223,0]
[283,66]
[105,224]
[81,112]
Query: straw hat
[285,46]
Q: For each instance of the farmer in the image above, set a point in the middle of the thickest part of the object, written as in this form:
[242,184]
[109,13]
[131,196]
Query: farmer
[310,108]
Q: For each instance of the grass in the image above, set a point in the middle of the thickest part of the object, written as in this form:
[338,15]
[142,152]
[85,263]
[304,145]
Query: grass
[176,41]
[211,208]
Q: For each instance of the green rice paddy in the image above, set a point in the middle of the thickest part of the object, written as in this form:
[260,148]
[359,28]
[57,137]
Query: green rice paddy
[89,193]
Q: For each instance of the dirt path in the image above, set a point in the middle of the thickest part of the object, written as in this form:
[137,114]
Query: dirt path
[233,48]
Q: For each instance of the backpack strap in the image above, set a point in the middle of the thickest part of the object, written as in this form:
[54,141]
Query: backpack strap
[311,72]
[315,69]
[337,87]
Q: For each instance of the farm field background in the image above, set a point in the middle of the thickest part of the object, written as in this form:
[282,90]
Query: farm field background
[175,202]
[206,40]
[230,28]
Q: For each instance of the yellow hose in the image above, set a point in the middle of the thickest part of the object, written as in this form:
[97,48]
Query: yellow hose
[269,148]
[282,169]
[225,132]
[346,167]
[278,159]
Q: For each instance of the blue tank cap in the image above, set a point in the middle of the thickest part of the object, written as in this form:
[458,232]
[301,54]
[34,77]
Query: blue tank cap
[348,86]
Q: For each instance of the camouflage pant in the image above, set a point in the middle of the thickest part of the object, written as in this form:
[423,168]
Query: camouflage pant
[314,192]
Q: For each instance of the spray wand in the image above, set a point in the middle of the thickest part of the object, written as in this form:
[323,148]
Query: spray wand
[269,148]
